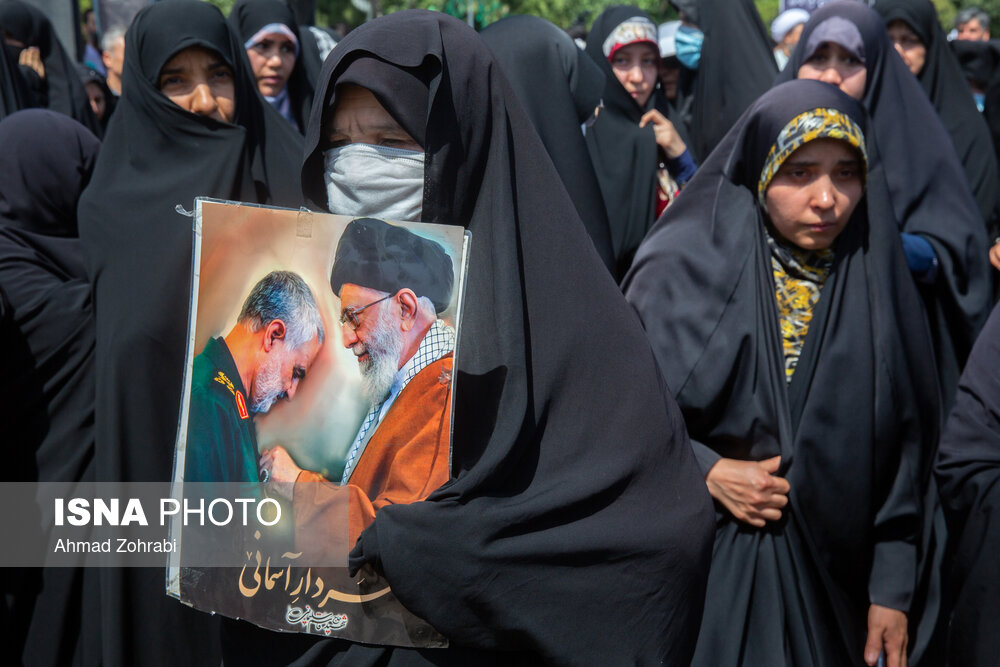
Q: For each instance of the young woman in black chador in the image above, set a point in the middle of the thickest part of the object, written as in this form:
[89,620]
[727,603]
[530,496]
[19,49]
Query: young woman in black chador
[772,275]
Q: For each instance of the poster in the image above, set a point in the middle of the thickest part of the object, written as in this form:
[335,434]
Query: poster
[318,388]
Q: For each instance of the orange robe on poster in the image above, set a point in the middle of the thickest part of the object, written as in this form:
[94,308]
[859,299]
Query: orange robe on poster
[407,457]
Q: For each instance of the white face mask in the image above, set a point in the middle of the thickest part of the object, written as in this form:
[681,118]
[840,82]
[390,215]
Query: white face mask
[367,180]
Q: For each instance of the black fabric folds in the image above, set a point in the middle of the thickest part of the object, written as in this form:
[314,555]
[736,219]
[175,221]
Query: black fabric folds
[156,155]
[946,86]
[559,87]
[576,527]
[967,469]
[625,156]
[924,184]
[64,92]
[249,16]
[853,446]
[737,66]
[13,95]
[47,388]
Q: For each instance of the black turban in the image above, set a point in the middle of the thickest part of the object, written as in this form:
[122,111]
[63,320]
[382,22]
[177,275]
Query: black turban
[384,257]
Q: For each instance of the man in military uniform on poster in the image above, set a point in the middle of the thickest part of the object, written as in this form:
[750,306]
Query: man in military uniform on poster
[260,361]
[392,285]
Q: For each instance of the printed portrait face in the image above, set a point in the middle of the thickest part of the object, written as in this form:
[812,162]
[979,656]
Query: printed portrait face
[377,342]
[278,376]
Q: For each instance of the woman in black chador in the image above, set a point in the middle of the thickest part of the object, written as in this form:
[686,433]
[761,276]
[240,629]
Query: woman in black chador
[778,303]
[13,88]
[274,47]
[57,86]
[967,470]
[47,387]
[640,158]
[727,61]
[915,173]
[560,88]
[916,32]
[574,528]
[189,123]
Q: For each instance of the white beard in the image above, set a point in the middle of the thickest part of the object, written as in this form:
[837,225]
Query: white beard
[384,347]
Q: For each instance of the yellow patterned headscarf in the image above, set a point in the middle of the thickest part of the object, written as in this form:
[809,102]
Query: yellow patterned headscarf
[806,127]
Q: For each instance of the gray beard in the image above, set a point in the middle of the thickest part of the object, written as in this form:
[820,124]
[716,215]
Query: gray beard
[267,387]
[384,347]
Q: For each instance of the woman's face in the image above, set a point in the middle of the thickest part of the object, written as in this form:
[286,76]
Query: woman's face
[813,195]
[96,96]
[908,45]
[636,67]
[199,80]
[272,60]
[358,118]
[836,65]
[670,76]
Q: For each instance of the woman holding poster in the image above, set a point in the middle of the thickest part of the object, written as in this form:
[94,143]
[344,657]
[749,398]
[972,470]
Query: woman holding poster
[190,122]
[573,518]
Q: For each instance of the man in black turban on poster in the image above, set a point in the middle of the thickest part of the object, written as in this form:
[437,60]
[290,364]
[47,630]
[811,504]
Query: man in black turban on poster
[391,284]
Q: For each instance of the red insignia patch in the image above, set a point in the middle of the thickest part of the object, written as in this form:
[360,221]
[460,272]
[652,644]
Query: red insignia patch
[241,405]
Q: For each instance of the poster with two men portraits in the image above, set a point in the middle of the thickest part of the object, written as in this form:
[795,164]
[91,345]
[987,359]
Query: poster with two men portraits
[318,388]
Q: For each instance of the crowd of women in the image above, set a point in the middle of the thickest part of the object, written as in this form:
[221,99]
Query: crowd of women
[710,404]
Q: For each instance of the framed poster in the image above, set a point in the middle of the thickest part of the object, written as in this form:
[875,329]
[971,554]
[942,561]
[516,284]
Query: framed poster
[318,388]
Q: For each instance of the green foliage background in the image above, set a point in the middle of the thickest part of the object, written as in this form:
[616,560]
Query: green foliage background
[565,12]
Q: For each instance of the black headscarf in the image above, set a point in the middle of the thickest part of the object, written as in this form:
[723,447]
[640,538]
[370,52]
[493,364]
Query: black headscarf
[853,446]
[559,87]
[249,16]
[924,183]
[691,9]
[625,156]
[13,95]
[946,86]
[88,75]
[980,61]
[968,469]
[47,386]
[736,67]
[157,155]
[65,93]
[571,472]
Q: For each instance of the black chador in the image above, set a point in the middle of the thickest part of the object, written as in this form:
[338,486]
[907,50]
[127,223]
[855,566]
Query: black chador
[155,157]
